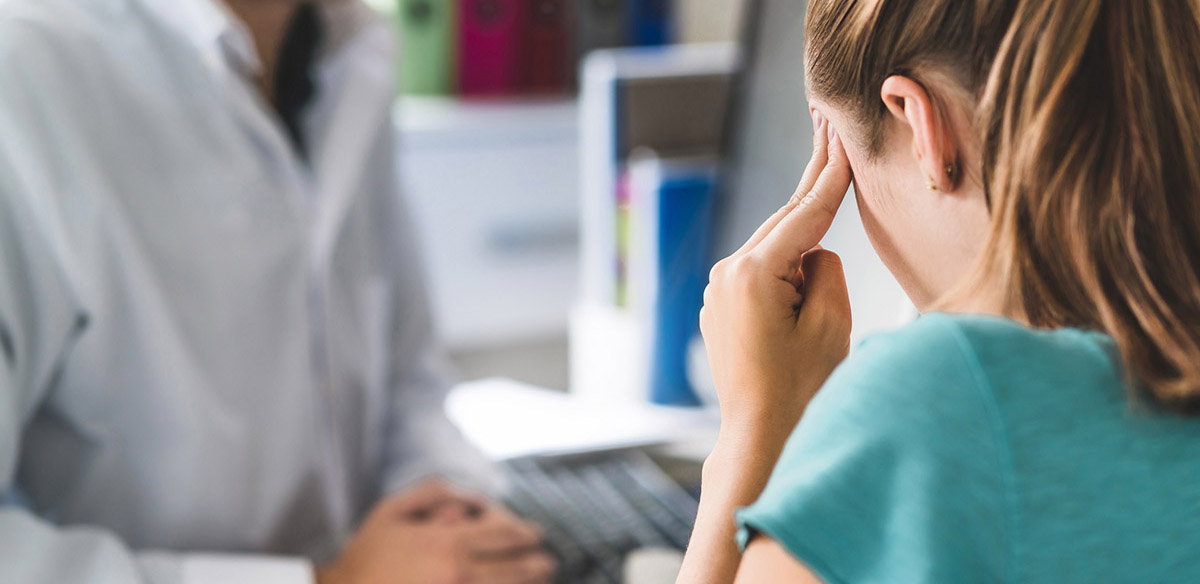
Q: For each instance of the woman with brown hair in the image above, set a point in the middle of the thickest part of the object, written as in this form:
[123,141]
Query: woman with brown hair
[1030,172]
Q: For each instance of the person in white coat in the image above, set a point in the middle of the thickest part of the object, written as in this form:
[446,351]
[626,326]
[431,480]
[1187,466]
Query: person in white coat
[216,356]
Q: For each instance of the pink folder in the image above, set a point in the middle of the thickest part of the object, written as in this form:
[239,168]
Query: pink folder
[547,46]
[489,46]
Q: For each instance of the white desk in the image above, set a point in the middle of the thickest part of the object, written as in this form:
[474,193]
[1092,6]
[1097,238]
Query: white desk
[507,419]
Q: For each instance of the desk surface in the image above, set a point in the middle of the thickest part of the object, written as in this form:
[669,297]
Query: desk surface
[507,419]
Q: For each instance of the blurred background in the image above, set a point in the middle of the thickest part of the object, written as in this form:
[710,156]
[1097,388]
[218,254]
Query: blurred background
[523,125]
[489,116]
[575,167]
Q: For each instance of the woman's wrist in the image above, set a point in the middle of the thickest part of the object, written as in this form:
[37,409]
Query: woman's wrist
[746,432]
[734,475]
[746,417]
[741,462]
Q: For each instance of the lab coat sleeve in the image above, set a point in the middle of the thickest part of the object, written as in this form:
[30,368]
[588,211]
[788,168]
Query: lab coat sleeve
[421,440]
[41,317]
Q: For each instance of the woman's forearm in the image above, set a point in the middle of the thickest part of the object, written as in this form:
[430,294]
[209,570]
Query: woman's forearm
[734,476]
[776,322]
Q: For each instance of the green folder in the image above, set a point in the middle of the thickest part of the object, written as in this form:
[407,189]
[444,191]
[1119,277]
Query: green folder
[426,46]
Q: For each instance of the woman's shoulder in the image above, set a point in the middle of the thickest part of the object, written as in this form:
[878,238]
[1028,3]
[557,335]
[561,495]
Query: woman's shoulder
[949,360]
[973,334]
[899,456]
[944,373]
[946,389]
[929,363]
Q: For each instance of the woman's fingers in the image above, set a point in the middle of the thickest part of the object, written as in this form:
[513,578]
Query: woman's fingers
[801,228]
[816,164]
[820,158]
[825,285]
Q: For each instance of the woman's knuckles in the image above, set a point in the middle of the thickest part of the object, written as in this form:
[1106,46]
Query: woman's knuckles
[717,274]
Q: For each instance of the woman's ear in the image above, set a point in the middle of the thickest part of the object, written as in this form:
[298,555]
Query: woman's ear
[933,143]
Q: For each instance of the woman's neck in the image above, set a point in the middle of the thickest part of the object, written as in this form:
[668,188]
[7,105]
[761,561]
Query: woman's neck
[972,297]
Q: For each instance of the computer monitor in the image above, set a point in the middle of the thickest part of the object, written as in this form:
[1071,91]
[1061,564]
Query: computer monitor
[768,143]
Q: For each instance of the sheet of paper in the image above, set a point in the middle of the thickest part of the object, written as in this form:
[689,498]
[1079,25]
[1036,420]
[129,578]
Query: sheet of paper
[507,419]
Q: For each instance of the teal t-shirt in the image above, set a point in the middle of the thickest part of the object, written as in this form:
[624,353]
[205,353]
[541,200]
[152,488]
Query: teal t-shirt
[973,449]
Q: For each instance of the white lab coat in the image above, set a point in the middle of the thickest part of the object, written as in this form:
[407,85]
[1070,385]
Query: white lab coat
[206,347]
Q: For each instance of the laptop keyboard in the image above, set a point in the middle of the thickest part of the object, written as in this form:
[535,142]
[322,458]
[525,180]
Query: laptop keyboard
[596,509]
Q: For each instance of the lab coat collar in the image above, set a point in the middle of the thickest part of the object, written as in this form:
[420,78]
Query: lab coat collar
[217,32]
[212,28]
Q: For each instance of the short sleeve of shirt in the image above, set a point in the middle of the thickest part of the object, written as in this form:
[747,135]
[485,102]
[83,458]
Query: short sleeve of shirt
[896,472]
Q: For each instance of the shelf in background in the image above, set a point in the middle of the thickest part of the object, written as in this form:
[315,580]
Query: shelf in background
[434,118]
[493,186]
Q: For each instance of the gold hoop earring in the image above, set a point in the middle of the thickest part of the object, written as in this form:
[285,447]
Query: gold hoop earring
[950,171]
[932,185]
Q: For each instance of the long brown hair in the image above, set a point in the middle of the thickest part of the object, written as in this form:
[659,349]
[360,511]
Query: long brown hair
[1089,120]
